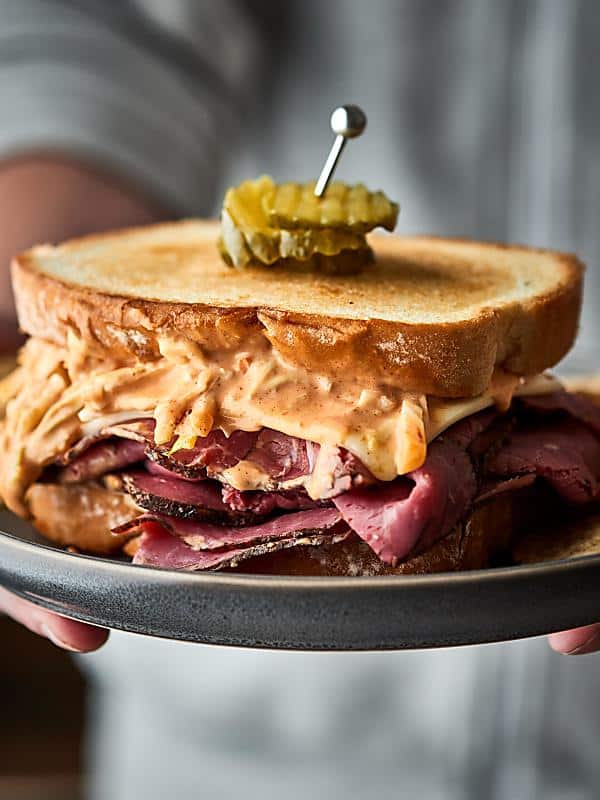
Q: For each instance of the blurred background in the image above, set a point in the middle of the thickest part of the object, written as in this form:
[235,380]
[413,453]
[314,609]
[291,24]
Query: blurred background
[42,702]
[484,121]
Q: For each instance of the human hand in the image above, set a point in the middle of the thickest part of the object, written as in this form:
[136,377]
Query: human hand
[576,642]
[84,200]
[65,633]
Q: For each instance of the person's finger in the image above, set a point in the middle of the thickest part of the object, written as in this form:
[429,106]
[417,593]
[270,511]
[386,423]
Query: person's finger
[576,642]
[66,633]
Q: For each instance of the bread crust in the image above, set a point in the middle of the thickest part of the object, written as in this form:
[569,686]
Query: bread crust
[80,516]
[579,536]
[452,358]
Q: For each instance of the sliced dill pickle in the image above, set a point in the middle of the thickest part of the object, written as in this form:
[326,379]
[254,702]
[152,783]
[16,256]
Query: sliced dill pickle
[245,229]
[305,243]
[346,262]
[350,208]
[245,204]
[264,223]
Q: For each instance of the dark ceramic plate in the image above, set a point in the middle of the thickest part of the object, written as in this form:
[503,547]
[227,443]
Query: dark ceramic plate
[301,613]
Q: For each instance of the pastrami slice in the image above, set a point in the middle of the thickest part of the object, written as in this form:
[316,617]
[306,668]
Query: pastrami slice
[554,437]
[412,513]
[495,486]
[101,458]
[154,468]
[214,452]
[158,548]
[165,493]
[197,493]
[169,495]
[268,502]
[206,536]
[575,405]
[280,456]
[563,452]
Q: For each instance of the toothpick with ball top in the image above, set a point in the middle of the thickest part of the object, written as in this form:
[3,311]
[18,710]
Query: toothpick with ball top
[347,122]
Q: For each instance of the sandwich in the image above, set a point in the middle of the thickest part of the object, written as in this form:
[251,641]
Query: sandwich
[388,418]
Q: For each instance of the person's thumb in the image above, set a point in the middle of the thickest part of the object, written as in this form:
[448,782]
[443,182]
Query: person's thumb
[65,633]
[576,642]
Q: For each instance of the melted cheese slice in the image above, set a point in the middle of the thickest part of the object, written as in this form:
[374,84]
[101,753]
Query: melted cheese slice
[444,413]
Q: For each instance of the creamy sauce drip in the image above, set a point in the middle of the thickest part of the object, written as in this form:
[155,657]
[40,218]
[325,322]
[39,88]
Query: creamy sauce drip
[60,394]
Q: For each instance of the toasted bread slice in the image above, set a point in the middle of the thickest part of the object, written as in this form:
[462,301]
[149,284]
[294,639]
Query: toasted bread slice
[80,516]
[576,537]
[433,315]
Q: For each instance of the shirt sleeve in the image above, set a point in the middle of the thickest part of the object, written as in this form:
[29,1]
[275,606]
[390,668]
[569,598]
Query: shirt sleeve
[152,91]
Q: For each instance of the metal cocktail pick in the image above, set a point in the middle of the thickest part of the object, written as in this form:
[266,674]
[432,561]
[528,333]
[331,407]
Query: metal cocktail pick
[347,122]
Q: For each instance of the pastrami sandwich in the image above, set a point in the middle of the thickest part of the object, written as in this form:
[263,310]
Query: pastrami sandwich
[288,420]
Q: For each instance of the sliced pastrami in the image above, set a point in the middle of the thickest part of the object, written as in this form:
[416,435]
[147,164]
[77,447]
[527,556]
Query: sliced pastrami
[574,405]
[564,452]
[493,487]
[281,457]
[158,548]
[212,453]
[267,502]
[200,500]
[100,459]
[208,499]
[338,470]
[154,468]
[204,536]
[413,512]
[466,432]
[554,437]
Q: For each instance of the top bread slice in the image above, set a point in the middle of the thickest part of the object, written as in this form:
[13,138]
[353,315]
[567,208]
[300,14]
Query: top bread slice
[432,315]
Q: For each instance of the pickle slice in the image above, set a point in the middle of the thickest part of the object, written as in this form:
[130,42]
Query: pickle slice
[349,208]
[245,229]
[346,262]
[253,229]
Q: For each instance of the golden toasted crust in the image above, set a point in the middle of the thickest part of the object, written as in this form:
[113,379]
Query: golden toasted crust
[576,537]
[80,516]
[434,315]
